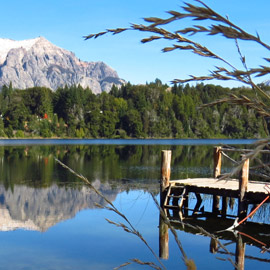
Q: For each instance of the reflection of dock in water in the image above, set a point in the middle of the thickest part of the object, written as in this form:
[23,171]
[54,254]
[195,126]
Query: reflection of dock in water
[253,234]
[216,222]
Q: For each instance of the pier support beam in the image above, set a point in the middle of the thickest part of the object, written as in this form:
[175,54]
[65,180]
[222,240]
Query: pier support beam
[165,174]
[217,161]
[216,174]
[224,206]
[198,204]
[215,206]
[185,205]
[243,183]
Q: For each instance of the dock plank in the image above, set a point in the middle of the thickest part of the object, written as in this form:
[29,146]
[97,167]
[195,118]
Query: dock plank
[226,184]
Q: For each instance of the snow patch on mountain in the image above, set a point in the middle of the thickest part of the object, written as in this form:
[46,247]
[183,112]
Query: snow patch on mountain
[7,44]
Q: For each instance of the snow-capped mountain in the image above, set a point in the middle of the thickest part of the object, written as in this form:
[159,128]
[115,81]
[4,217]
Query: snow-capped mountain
[38,62]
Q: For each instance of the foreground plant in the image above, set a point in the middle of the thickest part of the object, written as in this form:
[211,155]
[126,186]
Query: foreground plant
[214,24]
[128,227]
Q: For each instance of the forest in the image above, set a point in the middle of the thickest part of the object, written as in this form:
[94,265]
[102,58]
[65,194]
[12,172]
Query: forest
[153,110]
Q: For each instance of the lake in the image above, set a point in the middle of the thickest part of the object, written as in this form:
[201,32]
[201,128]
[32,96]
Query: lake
[49,218]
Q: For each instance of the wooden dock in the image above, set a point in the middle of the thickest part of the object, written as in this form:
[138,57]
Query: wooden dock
[256,191]
[174,193]
[174,200]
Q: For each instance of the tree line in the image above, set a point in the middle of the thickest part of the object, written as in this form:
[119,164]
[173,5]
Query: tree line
[153,110]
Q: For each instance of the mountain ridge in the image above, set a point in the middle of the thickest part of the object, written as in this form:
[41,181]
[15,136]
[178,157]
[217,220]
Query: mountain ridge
[38,62]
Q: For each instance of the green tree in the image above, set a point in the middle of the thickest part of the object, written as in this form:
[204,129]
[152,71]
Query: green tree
[45,128]
[133,124]
[17,113]
[2,130]
[108,124]
[185,39]
[39,101]
[19,134]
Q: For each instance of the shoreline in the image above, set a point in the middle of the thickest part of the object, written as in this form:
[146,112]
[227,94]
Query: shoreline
[74,141]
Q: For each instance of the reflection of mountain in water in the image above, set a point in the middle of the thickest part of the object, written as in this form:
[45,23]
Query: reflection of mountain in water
[40,208]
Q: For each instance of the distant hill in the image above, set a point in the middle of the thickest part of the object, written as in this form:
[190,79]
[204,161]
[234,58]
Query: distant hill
[38,62]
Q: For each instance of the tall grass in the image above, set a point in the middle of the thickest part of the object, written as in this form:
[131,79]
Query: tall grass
[210,23]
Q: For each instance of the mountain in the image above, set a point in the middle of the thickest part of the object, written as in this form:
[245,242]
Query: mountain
[38,62]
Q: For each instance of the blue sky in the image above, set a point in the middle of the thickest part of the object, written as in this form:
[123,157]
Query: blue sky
[65,22]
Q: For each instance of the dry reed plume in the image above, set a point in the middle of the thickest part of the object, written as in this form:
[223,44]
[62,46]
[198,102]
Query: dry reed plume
[129,228]
[214,24]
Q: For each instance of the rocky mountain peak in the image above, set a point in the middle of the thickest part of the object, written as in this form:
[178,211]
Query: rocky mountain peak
[38,62]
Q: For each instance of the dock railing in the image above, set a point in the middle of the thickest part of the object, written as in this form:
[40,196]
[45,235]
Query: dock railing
[243,175]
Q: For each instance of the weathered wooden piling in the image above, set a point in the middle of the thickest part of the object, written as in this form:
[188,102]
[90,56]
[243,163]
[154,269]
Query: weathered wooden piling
[243,179]
[217,161]
[216,174]
[224,206]
[166,156]
[243,184]
[215,206]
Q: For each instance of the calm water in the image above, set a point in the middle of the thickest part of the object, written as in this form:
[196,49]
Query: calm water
[49,218]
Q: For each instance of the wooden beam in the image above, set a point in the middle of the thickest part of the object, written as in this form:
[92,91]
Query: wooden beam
[244,150]
[243,179]
[198,204]
[185,204]
[215,206]
[165,174]
[217,161]
[243,184]
[224,206]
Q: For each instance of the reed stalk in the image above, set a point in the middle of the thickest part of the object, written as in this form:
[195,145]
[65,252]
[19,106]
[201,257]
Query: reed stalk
[129,228]
[184,39]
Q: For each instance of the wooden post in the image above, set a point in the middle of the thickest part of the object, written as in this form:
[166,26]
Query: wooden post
[163,239]
[216,174]
[165,174]
[185,204]
[243,183]
[215,206]
[198,204]
[217,161]
[224,206]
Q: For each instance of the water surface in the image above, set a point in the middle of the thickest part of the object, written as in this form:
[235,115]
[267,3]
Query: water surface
[125,141]
[49,218]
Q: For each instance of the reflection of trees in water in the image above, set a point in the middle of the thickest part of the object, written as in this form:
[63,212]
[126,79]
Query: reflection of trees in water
[105,162]
[35,165]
